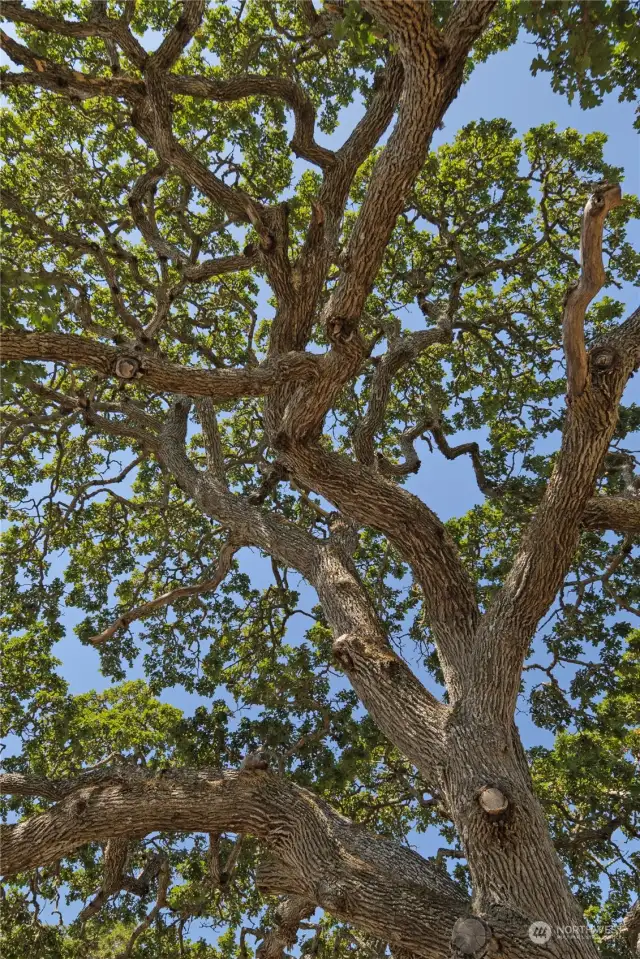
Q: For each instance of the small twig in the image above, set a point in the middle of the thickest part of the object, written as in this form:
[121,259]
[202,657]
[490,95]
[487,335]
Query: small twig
[444,853]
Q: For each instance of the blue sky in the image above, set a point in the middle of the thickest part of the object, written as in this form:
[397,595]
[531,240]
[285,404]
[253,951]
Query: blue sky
[503,87]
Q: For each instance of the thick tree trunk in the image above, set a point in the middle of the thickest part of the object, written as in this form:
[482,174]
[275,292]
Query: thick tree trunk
[516,874]
[467,749]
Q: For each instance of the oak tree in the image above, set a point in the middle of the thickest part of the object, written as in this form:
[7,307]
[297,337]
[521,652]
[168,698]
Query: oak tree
[224,338]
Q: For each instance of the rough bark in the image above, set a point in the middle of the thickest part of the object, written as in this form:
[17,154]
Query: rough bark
[387,890]
[468,749]
[130,362]
[618,513]
[321,858]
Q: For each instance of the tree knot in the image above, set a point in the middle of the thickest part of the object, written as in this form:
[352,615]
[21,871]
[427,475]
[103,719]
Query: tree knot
[332,895]
[128,368]
[599,196]
[341,329]
[342,651]
[603,359]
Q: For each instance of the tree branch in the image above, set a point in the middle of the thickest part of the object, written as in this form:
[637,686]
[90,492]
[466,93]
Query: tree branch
[621,514]
[211,437]
[383,888]
[98,26]
[462,449]
[179,37]
[417,534]
[146,185]
[302,143]
[65,238]
[402,351]
[114,860]
[592,278]
[629,929]
[290,913]
[128,363]
[465,23]
[151,117]
[406,442]
[226,91]
[219,266]
[293,326]
[42,72]
[168,599]
[379,676]
[432,78]
[550,540]
[164,876]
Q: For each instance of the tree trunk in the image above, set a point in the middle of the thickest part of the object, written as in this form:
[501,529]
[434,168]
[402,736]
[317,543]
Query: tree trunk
[516,875]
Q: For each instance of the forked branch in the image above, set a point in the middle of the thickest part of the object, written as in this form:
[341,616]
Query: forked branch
[381,678]
[417,534]
[592,278]
[550,541]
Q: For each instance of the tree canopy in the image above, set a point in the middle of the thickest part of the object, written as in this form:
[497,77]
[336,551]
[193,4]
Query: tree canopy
[230,355]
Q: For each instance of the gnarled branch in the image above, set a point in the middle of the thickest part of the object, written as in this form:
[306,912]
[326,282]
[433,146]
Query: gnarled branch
[385,889]
[401,352]
[127,363]
[592,278]
[550,540]
[380,677]
[431,80]
[417,534]
[99,25]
